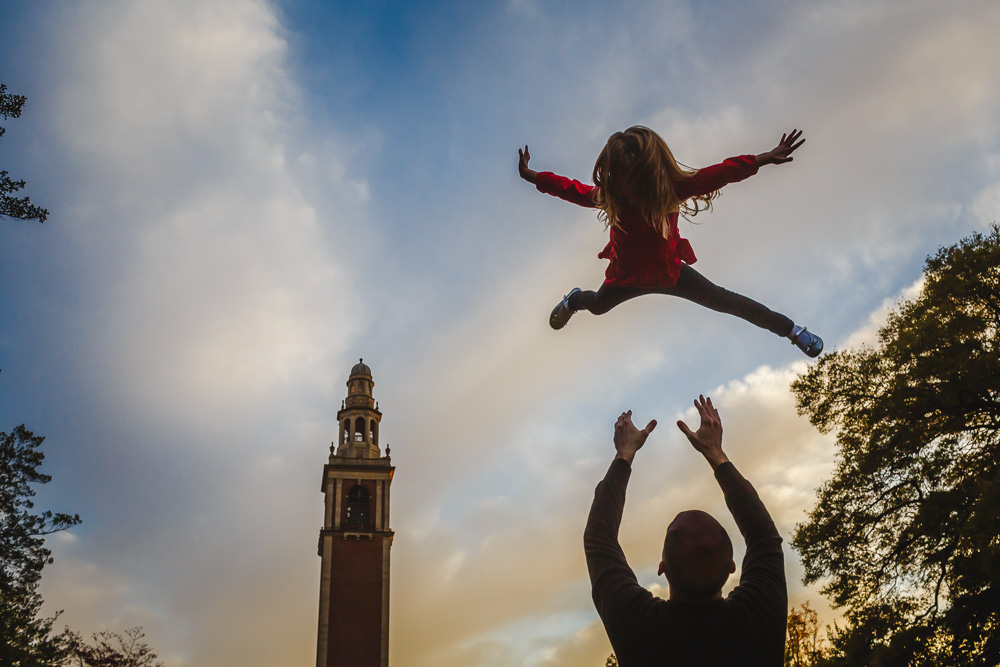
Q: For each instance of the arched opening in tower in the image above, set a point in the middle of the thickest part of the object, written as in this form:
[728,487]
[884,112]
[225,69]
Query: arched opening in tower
[358,508]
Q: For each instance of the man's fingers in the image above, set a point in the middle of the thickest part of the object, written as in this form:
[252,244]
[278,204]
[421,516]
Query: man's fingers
[710,408]
[701,406]
[684,428]
[649,427]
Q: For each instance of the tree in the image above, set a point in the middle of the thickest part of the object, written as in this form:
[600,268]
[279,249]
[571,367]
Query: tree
[612,661]
[111,649]
[25,637]
[804,647]
[11,206]
[906,534]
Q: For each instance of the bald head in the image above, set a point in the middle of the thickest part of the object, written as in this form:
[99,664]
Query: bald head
[697,556]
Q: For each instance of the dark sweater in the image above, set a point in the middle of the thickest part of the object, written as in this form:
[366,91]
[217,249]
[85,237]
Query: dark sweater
[745,629]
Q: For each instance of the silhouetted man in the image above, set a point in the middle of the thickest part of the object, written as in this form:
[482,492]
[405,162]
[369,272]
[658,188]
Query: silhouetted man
[696,625]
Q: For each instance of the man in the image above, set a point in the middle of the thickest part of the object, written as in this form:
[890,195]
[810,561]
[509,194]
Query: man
[695,625]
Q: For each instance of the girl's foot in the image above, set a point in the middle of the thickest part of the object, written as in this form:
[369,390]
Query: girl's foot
[806,341]
[562,312]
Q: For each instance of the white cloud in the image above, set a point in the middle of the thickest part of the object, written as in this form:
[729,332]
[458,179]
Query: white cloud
[986,206]
[868,334]
[226,285]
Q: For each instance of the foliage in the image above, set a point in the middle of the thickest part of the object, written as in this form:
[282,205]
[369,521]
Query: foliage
[11,206]
[110,649]
[804,648]
[25,638]
[612,661]
[906,535]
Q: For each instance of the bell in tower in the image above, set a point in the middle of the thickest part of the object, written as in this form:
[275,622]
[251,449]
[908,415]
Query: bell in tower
[355,540]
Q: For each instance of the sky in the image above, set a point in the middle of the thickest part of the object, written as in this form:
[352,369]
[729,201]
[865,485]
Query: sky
[247,196]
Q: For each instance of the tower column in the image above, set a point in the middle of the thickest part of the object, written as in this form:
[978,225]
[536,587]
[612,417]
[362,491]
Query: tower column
[356,539]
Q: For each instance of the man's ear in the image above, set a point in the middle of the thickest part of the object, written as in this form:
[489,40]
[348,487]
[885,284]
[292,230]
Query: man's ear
[732,566]
[662,569]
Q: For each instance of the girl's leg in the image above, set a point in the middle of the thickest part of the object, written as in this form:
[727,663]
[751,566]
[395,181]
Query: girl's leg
[695,287]
[604,299]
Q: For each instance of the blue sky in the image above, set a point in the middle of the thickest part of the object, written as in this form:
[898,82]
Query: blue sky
[248,196]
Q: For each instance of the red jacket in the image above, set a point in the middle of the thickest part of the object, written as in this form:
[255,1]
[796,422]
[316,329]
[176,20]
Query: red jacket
[639,255]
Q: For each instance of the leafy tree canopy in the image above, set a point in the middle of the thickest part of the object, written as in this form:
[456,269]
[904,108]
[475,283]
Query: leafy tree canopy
[25,637]
[906,534]
[11,206]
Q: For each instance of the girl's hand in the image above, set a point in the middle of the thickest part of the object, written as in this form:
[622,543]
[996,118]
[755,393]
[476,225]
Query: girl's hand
[522,165]
[781,153]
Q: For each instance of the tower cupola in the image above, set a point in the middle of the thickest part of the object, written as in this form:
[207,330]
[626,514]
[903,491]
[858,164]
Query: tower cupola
[359,417]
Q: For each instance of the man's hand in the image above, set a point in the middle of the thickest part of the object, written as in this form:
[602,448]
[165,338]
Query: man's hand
[629,439]
[522,165]
[708,438]
[781,153]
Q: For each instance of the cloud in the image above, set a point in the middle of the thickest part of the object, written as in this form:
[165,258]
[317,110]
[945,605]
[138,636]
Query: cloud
[868,334]
[986,205]
[209,237]
[224,283]
[774,447]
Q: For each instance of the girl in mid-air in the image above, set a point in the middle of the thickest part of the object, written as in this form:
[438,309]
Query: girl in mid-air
[639,189]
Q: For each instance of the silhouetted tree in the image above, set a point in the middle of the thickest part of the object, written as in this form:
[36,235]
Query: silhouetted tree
[110,649]
[26,638]
[906,535]
[804,648]
[11,206]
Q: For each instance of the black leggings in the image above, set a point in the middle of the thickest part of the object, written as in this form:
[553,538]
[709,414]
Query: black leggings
[692,286]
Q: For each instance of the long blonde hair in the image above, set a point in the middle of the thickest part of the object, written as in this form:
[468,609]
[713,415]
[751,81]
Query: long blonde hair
[636,174]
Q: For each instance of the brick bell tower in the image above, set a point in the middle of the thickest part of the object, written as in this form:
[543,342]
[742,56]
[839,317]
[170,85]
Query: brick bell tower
[355,540]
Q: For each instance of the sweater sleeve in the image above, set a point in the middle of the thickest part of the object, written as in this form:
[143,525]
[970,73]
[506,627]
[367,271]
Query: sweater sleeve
[761,595]
[712,178]
[617,594]
[566,189]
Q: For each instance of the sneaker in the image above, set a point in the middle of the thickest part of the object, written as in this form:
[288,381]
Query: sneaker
[806,341]
[562,312]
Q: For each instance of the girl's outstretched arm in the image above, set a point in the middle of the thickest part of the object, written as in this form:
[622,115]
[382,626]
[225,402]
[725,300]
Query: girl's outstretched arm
[527,174]
[781,153]
[558,186]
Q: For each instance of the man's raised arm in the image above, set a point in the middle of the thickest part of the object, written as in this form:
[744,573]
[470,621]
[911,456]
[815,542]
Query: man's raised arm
[762,591]
[613,584]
